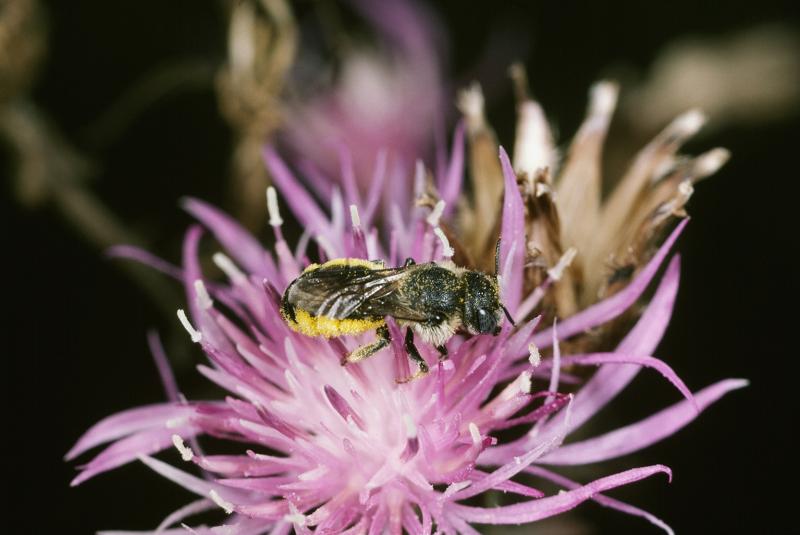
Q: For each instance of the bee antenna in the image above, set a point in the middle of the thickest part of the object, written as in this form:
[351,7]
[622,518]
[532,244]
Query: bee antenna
[508,315]
[497,259]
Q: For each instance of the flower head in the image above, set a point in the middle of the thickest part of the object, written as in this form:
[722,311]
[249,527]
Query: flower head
[325,448]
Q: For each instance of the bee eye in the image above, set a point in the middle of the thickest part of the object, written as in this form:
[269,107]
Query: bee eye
[485,321]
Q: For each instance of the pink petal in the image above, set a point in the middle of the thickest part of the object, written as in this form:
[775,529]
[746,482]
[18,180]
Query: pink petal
[512,235]
[450,183]
[191,269]
[348,174]
[462,527]
[548,408]
[411,522]
[191,483]
[375,189]
[379,520]
[342,407]
[128,422]
[545,444]
[534,510]
[241,466]
[605,501]
[318,183]
[128,449]
[272,510]
[270,485]
[137,254]
[190,509]
[643,433]
[162,364]
[608,381]
[615,305]
[304,208]
[645,362]
[239,243]
[645,336]
[509,486]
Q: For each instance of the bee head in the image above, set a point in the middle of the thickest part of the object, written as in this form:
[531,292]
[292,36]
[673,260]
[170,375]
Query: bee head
[482,313]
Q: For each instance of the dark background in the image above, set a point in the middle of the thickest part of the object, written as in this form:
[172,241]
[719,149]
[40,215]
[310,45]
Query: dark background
[77,324]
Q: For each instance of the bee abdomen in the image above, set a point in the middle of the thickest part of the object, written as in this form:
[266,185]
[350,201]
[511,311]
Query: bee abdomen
[310,325]
[301,301]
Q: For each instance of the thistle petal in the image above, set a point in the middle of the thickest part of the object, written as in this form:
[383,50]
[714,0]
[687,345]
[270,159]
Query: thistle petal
[605,501]
[512,233]
[615,305]
[129,422]
[641,434]
[245,249]
[534,510]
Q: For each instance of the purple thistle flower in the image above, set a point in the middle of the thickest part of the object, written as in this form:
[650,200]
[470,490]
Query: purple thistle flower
[318,447]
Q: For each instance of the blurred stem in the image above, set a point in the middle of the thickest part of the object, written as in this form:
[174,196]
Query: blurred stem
[333,31]
[51,170]
[167,79]
[262,44]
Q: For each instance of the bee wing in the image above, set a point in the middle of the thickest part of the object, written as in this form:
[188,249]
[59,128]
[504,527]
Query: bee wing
[336,293]
[393,304]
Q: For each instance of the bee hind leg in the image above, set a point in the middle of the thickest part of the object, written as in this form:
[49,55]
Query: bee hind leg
[363,352]
[413,353]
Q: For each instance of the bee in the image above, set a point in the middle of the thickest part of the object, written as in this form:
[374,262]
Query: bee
[349,296]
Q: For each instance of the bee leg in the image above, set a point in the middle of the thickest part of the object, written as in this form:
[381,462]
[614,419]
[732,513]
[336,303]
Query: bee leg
[409,262]
[442,349]
[413,352]
[384,338]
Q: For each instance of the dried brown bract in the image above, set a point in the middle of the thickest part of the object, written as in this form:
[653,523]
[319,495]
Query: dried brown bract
[586,244]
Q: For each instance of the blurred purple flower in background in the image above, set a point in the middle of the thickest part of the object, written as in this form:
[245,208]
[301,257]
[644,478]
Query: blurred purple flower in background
[331,449]
[382,108]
